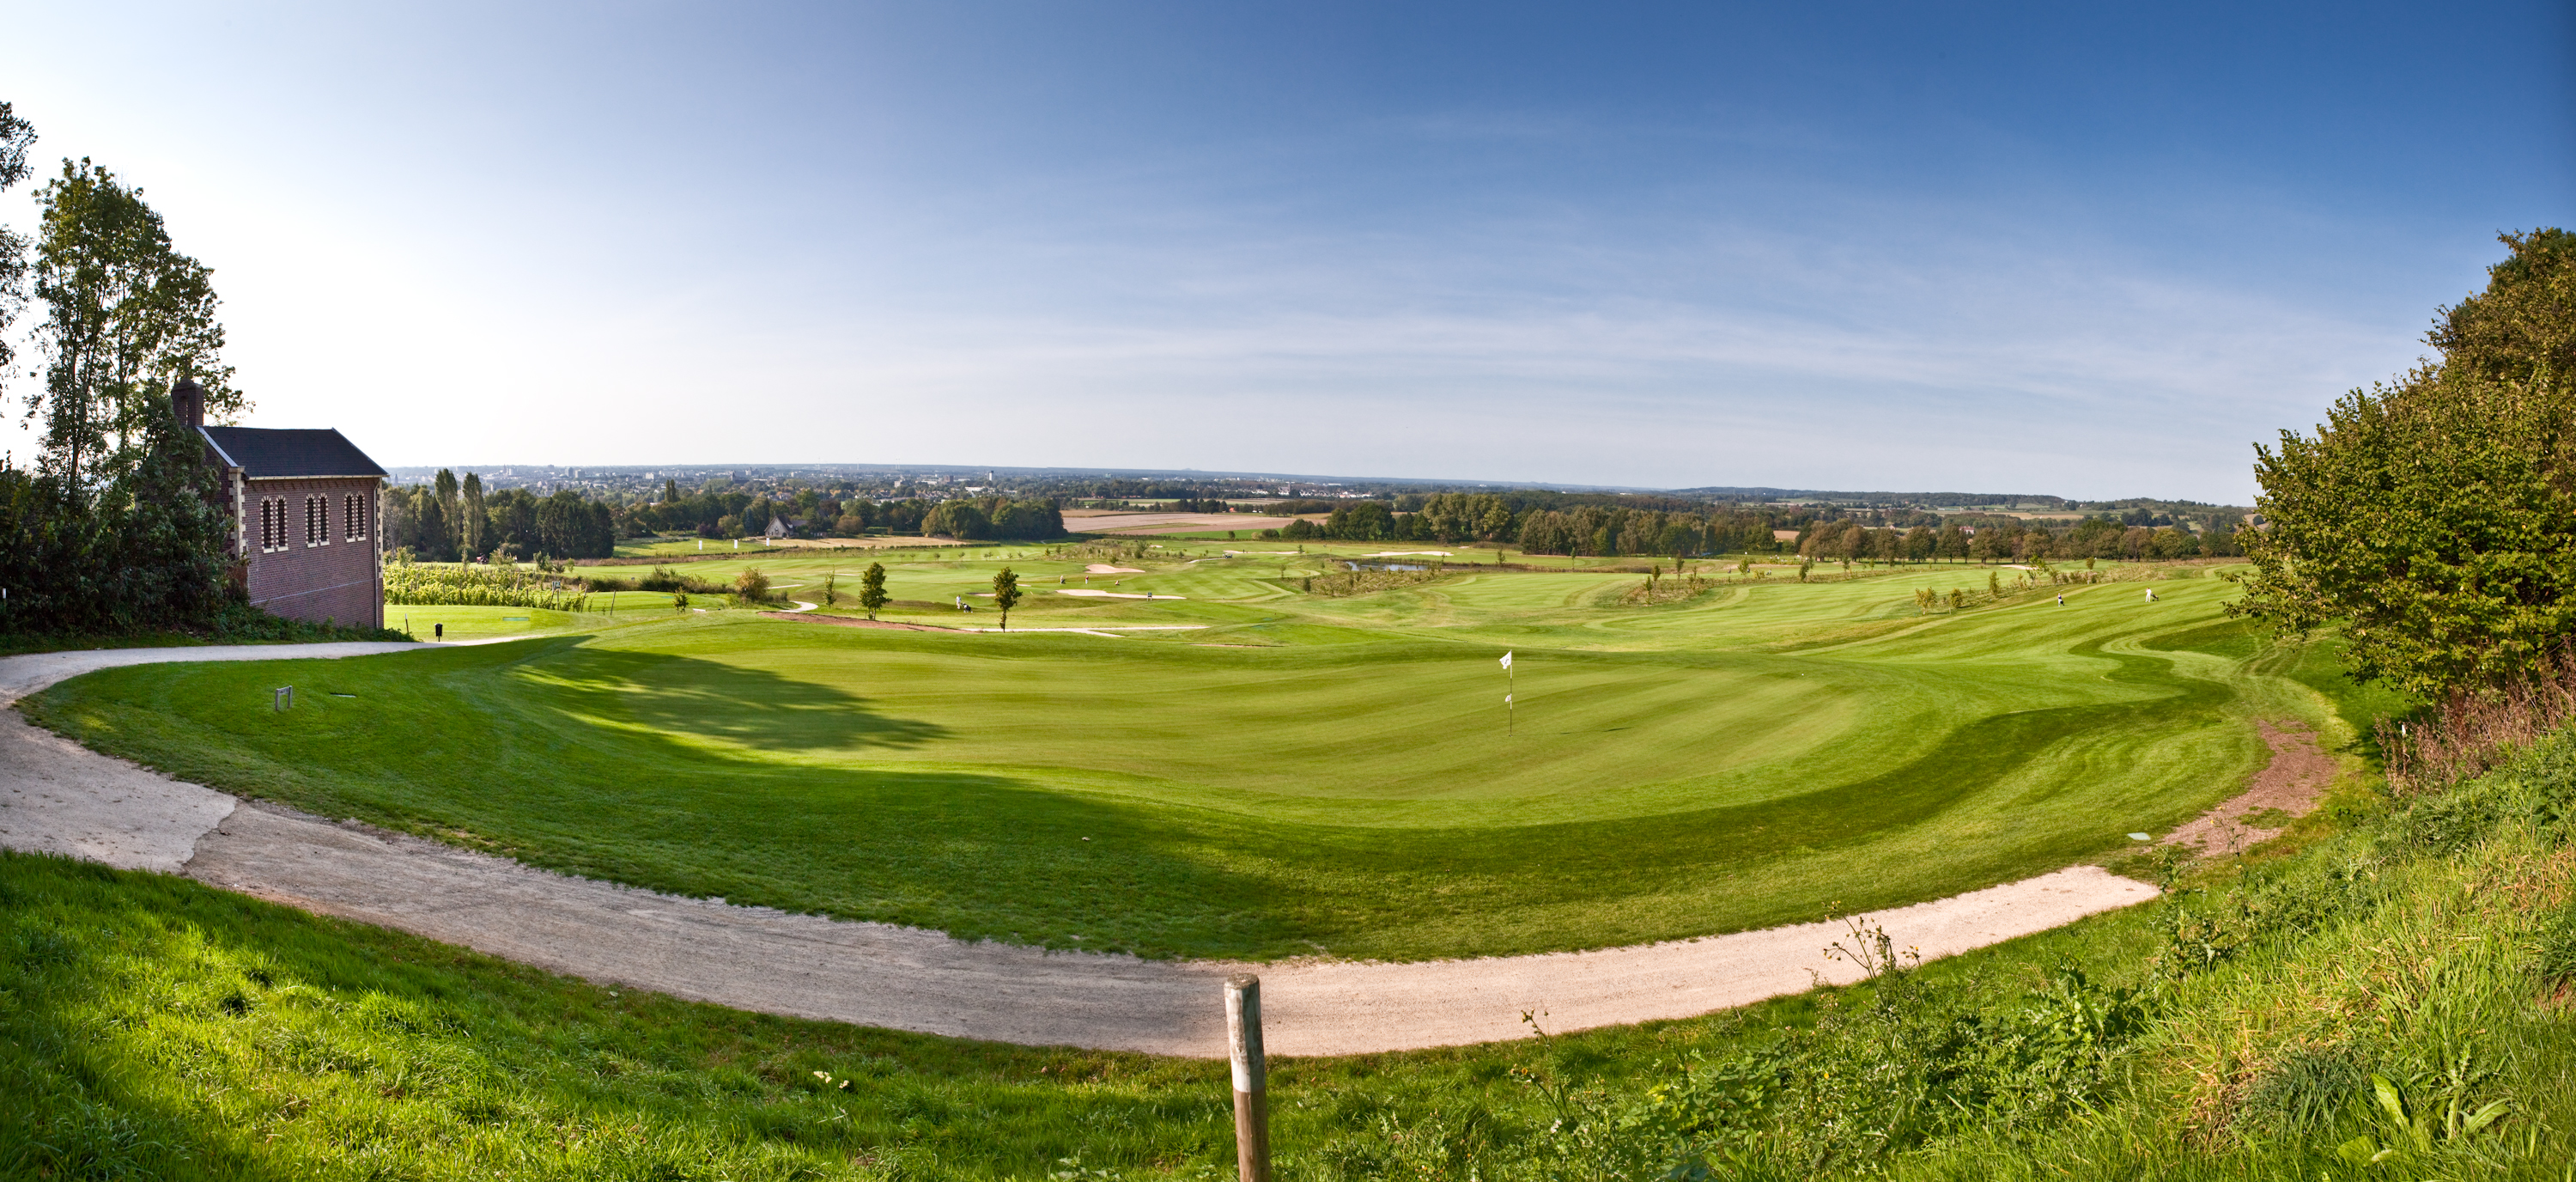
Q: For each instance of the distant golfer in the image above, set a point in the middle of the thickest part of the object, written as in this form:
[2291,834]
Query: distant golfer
[2061,601]
[2151,595]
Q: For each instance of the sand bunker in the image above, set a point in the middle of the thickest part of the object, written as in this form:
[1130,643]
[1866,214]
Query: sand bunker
[1099,594]
[1103,568]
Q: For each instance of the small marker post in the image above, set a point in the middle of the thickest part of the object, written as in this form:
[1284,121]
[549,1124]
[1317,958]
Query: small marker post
[1251,1078]
[1511,687]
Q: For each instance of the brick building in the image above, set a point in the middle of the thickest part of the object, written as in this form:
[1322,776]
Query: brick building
[303,505]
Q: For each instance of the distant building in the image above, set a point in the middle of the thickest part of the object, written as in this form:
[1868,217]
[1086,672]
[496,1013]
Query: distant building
[303,505]
[777,528]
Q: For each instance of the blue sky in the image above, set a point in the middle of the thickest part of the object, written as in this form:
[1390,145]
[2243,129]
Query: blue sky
[2003,247]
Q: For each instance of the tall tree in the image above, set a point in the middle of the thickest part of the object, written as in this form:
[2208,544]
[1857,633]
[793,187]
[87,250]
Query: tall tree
[872,592]
[472,526]
[451,518]
[2436,517]
[1006,594]
[125,316]
[16,136]
[117,527]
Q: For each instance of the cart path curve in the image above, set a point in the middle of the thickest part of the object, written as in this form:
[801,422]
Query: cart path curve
[59,797]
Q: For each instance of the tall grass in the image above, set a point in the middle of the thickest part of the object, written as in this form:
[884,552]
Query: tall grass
[2472,730]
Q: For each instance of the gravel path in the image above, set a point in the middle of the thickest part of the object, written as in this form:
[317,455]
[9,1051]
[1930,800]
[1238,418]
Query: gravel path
[59,797]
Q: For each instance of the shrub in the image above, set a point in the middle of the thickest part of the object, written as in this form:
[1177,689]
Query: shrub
[480,586]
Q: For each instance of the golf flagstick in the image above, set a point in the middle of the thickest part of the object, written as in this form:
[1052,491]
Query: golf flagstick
[1511,713]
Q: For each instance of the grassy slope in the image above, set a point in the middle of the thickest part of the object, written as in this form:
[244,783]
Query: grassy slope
[151,1027]
[1715,765]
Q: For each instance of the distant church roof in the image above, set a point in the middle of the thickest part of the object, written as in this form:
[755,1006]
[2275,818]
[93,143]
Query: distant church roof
[270,453]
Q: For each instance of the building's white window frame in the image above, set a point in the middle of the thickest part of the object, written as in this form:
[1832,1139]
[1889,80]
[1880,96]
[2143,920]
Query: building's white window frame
[353,517]
[317,521]
[272,524]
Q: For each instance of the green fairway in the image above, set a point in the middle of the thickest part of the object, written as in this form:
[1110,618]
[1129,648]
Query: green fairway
[1297,774]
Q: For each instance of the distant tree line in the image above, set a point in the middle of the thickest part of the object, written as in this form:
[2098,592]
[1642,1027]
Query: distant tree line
[721,513]
[2008,540]
[1594,528]
[447,520]
[994,519]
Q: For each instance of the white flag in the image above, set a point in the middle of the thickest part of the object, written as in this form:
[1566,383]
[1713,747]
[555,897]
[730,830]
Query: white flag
[1507,699]
[1507,660]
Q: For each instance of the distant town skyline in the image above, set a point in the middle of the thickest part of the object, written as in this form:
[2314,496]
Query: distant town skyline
[1649,246]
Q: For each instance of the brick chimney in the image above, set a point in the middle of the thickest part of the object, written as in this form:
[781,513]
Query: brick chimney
[188,403]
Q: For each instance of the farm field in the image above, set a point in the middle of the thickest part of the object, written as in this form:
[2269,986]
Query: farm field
[1297,774]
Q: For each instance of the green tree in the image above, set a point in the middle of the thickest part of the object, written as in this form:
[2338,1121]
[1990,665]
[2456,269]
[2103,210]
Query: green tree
[1360,521]
[831,588]
[1006,594]
[2435,517]
[872,592]
[962,520]
[472,525]
[451,515]
[118,526]
[751,585]
[16,136]
[126,315]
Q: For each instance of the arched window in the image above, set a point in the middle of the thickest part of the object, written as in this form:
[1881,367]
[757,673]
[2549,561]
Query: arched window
[353,517]
[272,523]
[317,521]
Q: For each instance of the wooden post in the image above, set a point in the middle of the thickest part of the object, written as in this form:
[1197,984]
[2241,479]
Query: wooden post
[1251,1086]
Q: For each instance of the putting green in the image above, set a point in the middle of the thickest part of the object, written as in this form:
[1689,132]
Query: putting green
[1299,774]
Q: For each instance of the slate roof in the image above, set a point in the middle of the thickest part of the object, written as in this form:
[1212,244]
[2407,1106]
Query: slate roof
[269,453]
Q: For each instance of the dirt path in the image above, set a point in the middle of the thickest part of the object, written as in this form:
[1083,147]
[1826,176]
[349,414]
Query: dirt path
[59,797]
[2299,773]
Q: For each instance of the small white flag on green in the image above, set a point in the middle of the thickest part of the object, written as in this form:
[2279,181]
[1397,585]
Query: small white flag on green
[1507,699]
[1507,660]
